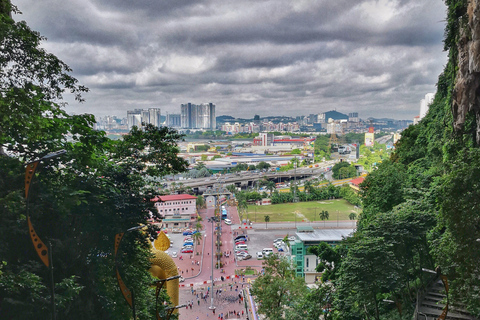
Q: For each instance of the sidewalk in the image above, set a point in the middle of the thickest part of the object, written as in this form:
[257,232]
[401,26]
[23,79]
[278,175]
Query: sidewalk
[198,276]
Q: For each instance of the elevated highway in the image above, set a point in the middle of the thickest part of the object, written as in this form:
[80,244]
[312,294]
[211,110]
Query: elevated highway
[249,178]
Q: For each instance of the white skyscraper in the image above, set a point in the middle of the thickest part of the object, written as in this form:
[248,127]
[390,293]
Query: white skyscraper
[425,103]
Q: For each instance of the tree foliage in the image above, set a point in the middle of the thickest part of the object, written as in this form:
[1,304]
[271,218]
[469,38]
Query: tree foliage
[78,201]
[278,291]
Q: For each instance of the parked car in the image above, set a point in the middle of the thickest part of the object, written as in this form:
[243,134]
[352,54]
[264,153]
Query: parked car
[259,255]
[187,250]
[246,257]
[187,233]
[240,250]
[278,244]
[239,242]
[242,254]
[281,249]
[188,239]
[181,279]
[174,254]
[242,236]
[227,221]
[292,238]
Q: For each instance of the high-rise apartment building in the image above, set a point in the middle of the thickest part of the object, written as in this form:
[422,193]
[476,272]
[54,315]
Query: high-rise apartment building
[173,120]
[138,116]
[425,103]
[198,116]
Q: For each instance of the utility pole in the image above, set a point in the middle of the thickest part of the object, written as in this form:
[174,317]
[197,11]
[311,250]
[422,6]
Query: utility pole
[295,180]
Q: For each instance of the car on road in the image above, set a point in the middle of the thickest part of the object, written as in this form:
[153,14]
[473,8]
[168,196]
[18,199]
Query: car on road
[187,250]
[227,221]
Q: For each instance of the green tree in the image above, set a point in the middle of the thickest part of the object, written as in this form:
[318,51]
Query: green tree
[79,201]
[324,215]
[384,188]
[278,289]
[364,275]
[200,202]
[267,219]
[263,165]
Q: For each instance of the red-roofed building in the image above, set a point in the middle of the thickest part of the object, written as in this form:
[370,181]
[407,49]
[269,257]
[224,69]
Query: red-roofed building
[355,183]
[179,210]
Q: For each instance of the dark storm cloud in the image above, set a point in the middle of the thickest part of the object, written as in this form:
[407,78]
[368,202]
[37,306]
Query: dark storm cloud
[265,57]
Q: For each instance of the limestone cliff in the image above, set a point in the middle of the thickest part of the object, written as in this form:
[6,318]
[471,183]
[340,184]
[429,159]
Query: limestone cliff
[466,95]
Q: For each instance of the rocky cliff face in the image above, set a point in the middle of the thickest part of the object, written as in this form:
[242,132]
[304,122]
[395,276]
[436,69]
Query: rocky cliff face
[466,95]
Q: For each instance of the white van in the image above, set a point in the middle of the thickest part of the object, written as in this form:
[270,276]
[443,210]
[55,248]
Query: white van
[241,247]
[267,251]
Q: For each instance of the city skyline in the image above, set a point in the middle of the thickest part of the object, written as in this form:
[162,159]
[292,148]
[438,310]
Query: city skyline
[378,58]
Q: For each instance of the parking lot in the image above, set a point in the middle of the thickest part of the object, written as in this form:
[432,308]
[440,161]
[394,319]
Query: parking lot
[258,240]
[176,241]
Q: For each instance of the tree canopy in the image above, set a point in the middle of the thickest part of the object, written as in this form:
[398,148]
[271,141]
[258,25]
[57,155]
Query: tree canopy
[77,202]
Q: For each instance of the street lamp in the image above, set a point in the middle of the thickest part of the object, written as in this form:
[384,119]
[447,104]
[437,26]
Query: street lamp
[171,309]
[44,253]
[159,284]
[212,220]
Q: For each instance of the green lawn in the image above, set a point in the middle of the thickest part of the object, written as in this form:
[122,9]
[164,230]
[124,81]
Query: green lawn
[305,211]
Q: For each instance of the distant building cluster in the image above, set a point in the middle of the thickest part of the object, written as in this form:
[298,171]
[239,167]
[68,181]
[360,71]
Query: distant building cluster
[201,116]
[111,123]
[149,116]
[255,127]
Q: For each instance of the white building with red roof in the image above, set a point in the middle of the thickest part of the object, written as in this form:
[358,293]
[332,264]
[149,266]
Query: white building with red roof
[179,210]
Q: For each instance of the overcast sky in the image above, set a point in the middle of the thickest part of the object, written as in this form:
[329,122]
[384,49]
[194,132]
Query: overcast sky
[277,57]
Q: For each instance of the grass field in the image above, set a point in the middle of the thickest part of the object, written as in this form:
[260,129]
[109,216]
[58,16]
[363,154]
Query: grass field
[301,211]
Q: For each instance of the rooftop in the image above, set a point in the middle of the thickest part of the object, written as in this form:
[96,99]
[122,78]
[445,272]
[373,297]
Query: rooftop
[174,197]
[324,235]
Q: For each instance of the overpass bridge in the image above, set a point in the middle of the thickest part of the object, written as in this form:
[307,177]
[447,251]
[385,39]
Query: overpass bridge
[250,178]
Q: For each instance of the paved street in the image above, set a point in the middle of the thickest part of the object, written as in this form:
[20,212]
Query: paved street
[197,269]
[198,274]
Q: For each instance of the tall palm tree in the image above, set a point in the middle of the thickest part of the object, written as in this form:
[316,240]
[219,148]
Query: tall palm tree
[242,207]
[270,187]
[197,236]
[267,219]
[324,216]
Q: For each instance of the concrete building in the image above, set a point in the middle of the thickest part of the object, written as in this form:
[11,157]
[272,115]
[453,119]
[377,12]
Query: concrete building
[179,210]
[138,116]
[425,104]
[306,263]
[198,116]
[173,120]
